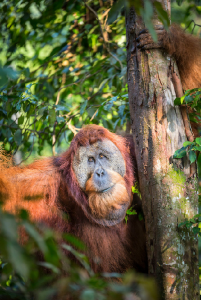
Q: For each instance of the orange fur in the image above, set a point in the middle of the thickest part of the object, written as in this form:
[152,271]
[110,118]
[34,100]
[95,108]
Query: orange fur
[33,187]
[186,49]
[49,190]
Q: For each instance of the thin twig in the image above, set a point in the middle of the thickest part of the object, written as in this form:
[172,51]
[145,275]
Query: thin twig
[94,115]
[105,42]
[195,24]
[73,128]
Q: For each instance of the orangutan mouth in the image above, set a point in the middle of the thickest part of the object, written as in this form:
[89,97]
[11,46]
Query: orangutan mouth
[107,189]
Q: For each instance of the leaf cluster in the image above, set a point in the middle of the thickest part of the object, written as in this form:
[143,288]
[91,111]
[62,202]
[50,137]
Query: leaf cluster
[190,149]
[39,269]
[192,98]
[194,222]
[60,68]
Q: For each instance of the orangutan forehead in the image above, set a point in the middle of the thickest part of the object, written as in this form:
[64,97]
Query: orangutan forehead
[106,147]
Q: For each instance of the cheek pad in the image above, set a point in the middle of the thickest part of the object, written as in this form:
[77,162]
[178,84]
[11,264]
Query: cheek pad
[115,159]
[81,168]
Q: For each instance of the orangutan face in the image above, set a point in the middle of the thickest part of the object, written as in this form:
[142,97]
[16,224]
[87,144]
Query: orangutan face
[100,170]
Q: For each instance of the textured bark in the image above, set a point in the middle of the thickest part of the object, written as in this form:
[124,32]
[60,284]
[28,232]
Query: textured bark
[169,195]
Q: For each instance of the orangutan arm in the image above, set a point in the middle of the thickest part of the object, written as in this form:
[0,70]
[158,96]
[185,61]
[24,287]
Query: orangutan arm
[185,48]
[33,187]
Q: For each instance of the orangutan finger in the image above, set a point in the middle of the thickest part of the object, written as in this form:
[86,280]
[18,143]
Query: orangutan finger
[156,27]
[152,46]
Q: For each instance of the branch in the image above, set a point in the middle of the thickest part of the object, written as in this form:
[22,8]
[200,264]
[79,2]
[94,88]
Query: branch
[195,24]
[73,128]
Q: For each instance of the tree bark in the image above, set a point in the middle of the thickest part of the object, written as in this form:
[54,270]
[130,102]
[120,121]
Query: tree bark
[169,195]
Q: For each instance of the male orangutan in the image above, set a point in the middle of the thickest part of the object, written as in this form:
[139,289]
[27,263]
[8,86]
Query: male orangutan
[185,48]
[91,183]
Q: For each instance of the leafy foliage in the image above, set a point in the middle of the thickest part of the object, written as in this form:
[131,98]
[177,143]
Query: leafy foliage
[62,65]
[193,99]
[24,274]
[193,223]
[61,68]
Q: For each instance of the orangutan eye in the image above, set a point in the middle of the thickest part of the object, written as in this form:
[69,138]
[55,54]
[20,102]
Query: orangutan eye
[91,159]
[101,156]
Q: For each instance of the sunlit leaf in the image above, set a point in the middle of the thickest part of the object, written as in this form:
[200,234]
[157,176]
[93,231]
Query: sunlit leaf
[180,153]
[187,143]
[198,141]
[192,156]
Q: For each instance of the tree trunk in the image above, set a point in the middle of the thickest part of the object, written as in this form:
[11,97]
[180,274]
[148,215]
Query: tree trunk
[169,195]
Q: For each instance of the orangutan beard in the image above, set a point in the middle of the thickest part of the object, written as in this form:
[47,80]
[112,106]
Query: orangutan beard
[112,203]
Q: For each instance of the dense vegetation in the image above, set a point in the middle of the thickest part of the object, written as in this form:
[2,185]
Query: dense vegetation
[62,65]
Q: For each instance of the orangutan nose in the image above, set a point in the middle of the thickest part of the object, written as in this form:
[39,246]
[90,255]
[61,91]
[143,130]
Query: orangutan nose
[100,172]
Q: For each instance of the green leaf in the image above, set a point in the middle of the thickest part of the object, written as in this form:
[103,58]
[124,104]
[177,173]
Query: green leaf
[121,110]
[135,190]
[198,141]
[114,11]
[18,137]
[51,117]
[62,108]
[177,101]
[196,230]
[110,103]
[12,74]
[23,214]
[42,110]
[182,223]
[115,124]
[50,267]
[182,99]
[188,224]
[18,260]
[192,156]
[179,2]
[131,211]
[20,120]
[60,119]
[79,256]
[198,148]
[3,77]
[88,295]
[147,15]
[103,83]
[36,236]
[74,241]
[180,153]
[188,98]
[83,106]
[187,143]
[162,14]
